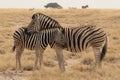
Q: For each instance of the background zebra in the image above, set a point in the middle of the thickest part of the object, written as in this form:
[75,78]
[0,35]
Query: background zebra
[40,22]
[38,41]
[80,38]
[84,7]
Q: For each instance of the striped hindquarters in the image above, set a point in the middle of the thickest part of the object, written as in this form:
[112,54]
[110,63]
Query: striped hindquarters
[80,38]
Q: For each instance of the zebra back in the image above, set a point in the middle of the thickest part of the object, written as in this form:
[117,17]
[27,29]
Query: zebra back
[41,22]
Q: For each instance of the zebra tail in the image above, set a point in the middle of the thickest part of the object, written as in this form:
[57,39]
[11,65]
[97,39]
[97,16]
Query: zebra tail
[13,48]
[104,50]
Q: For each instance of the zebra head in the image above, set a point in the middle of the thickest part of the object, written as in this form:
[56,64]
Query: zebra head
[59,38]
[34,24]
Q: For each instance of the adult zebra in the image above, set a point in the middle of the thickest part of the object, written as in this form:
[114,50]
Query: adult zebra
[41,22]
[80,38]
[38,41]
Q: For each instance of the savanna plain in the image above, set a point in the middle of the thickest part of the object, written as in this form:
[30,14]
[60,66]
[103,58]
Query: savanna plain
[78,65]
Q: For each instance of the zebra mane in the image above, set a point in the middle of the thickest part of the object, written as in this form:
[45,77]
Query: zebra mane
[24,29]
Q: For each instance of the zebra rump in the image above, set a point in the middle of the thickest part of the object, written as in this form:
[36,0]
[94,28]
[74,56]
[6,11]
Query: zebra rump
[80,38]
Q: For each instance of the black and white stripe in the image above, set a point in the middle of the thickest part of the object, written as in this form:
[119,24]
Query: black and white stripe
[80,38]
[41,22]
[37,41]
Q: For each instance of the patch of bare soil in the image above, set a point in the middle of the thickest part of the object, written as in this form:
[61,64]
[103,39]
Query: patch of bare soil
[71,62]
[13,76]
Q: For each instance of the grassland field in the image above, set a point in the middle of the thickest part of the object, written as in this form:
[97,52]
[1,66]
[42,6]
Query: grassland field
[78,65]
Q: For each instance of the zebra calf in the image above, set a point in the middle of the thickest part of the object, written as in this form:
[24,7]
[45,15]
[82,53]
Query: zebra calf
[38,41]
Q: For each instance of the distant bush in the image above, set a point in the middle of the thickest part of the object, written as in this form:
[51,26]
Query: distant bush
[53,5]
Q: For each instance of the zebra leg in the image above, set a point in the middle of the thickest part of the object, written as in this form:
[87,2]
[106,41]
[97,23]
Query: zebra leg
[39,56]
[19,51]
[36,61]
[60,58]
[97,53]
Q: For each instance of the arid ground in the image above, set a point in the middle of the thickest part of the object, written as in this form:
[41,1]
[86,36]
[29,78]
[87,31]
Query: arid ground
[78,65]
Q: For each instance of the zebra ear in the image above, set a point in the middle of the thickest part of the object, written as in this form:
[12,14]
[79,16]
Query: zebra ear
[33,17]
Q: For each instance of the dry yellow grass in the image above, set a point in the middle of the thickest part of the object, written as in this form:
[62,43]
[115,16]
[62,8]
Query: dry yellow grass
[78,66]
